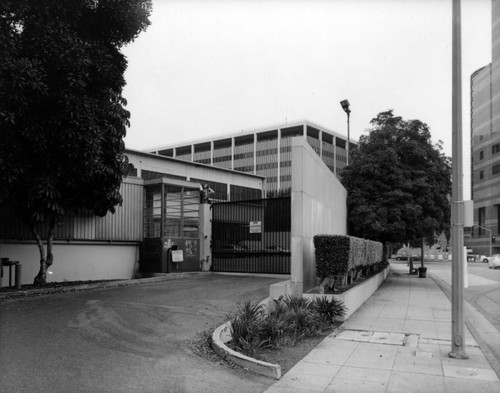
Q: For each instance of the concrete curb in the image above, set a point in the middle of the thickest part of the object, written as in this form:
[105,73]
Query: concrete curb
[481,329]
[222,335]
[101,285]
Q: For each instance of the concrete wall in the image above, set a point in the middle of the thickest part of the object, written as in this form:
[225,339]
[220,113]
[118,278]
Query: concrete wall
[318,207]
[74,261]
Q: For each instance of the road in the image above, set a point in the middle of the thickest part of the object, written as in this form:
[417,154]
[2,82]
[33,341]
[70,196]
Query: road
[127,339]
[483,291]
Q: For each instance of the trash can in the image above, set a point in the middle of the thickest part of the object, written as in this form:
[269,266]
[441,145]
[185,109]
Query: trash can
[422,272]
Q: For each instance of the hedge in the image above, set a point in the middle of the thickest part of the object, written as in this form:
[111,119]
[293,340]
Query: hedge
[338,254]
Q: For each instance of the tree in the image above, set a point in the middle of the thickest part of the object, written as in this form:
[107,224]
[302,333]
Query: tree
[62,115]
[398,183]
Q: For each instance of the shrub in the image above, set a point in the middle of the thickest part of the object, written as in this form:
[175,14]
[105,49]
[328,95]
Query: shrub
[329,309]
[290,320]
[332,255]
[337,255]
[246,328]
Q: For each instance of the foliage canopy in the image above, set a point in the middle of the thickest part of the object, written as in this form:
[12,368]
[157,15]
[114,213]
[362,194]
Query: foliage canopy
[62,115]
[398,183]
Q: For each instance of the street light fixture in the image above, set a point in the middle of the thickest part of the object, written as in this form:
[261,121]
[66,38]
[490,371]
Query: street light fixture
[345,107]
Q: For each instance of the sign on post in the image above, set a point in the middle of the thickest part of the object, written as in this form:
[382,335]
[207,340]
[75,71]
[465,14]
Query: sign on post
[177,256]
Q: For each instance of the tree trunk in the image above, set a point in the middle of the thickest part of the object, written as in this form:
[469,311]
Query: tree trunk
[46,259]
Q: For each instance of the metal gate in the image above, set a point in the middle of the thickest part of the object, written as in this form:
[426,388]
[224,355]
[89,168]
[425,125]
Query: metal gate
[252,236]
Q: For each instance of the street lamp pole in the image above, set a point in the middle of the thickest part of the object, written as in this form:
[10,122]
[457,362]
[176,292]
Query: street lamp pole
[457,205]
[345,106]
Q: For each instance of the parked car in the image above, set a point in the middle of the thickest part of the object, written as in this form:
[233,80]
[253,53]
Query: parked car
[494,261]
[483,258]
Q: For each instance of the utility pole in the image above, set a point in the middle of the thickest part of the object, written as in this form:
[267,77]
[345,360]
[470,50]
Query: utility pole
[457,205]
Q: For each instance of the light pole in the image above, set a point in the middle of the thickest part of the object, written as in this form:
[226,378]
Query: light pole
[345,107]
[486,229]
[457,203]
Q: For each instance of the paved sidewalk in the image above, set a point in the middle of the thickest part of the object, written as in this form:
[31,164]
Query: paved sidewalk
[398,341]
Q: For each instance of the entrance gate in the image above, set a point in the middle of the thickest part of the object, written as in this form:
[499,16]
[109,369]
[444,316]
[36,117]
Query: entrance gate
[252,236]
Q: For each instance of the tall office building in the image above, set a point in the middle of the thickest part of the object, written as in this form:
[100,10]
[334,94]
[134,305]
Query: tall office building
[485,146]
[265,151]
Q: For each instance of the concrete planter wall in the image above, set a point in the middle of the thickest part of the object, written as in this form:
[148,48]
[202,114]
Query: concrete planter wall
[352,298]
[356,296]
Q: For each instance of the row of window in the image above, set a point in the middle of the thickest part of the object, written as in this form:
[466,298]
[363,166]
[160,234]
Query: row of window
[267,152]
[241,156]
[495,149]
[495,170]
[245,168]
[222,159]
[203,160]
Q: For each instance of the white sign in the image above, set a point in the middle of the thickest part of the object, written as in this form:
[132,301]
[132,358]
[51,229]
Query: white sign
[255,226]
[177,256]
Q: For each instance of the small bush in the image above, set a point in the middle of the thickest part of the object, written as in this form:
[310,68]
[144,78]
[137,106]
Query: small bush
[329,309]
[291,320]
[246,328]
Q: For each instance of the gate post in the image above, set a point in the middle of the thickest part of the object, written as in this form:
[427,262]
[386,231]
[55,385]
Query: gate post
[205,236]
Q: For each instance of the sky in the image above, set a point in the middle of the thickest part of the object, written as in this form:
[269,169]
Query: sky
[206,68]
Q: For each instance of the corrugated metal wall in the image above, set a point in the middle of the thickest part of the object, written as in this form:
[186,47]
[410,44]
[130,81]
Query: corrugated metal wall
[124,225]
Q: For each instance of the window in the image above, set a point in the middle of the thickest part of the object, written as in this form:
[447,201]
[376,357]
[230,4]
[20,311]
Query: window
[481,155]
[495,170]
[173,214]
[481,174]
[495,148]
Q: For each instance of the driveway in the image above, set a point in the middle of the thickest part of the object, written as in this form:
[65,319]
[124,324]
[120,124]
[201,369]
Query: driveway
[126,339]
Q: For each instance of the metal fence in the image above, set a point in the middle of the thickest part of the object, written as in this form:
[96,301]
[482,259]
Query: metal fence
[252,236]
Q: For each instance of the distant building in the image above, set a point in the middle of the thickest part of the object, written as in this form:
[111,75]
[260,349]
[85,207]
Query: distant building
[265,151]
[485,148]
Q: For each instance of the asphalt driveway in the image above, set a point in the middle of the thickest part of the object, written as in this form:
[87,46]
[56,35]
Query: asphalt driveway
[126,339]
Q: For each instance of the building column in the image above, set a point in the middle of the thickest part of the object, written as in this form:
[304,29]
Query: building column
[232,153]
[320,137]
[335,155]
[279,159]
[205,236]
[254,153]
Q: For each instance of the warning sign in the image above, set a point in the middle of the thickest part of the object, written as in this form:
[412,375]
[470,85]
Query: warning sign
[255,226]
[177,256]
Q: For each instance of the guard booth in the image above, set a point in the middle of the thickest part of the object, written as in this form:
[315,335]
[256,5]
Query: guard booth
[171,226]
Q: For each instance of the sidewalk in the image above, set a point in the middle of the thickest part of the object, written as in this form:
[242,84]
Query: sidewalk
[398,341]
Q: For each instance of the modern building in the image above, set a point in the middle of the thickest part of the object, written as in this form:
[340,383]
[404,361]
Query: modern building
[265,151]
[164,210]
[161,200]
[485,149]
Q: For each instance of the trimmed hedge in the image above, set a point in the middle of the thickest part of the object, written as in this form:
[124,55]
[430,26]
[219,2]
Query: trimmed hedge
[332,255]
[338,254]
